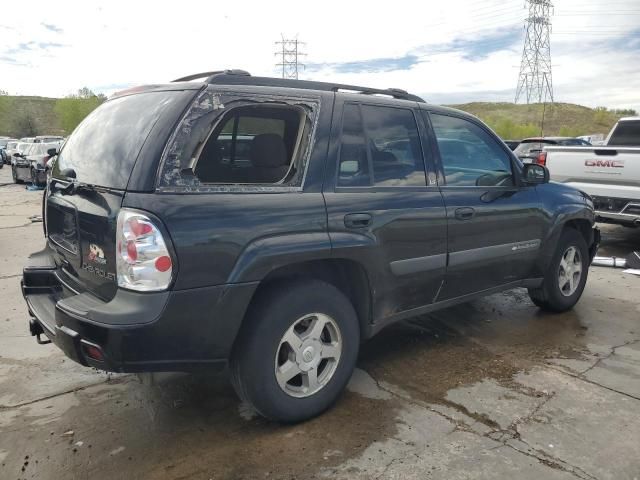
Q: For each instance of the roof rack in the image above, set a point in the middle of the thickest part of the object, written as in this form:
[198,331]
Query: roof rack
[242,77]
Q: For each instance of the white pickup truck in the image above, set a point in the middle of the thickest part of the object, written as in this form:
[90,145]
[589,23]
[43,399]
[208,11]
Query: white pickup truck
[610,174]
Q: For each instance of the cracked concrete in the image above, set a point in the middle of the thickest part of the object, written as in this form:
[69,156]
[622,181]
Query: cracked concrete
[491,389]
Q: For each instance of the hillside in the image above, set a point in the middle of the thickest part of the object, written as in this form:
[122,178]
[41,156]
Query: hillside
[517,121]
[25,116]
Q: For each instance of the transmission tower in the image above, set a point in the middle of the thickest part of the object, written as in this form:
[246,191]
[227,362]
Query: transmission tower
[289,57]
[535,81]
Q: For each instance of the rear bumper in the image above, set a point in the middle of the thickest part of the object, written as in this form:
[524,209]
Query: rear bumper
[23,172]
[183,330]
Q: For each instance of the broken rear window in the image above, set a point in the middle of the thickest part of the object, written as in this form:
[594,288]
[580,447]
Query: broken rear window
[232,139]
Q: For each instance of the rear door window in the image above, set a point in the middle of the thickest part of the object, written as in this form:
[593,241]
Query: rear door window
[380,146]
[253,145]
[103,149]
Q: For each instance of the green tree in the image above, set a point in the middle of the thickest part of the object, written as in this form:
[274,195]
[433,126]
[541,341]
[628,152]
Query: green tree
[72,109]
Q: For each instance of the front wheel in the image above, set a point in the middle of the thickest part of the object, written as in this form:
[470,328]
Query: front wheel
[297,350]
[566,275]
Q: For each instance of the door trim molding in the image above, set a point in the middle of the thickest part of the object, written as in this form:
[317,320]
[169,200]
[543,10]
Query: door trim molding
[493,252]
[409,266]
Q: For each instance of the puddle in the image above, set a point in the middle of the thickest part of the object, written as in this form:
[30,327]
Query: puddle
[188,426]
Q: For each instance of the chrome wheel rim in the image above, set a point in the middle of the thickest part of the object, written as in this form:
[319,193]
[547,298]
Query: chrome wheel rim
[308,355]
[570,271]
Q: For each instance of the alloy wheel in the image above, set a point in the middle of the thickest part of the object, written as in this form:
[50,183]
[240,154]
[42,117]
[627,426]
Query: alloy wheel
[570,271]
[308,355]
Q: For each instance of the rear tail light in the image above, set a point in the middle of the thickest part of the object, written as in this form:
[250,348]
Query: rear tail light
[143,262]
[542,159]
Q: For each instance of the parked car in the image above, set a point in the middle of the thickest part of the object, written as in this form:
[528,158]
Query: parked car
[164,253]
[610,174]
[5,142]
[530,148]
[31,166]
[512,144]
[10,150]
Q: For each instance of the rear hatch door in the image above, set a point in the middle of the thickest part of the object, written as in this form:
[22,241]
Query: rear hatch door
[89,181]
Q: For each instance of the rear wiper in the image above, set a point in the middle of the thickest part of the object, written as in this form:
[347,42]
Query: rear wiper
[70,187]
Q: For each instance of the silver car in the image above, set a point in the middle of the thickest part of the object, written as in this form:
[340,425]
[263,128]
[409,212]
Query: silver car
[31,164]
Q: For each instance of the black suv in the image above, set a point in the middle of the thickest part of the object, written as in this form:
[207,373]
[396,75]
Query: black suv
[276,224]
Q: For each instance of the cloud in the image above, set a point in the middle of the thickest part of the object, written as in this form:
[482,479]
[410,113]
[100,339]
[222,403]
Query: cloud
[31,46]
[373,65]
[51,27]
[458,50]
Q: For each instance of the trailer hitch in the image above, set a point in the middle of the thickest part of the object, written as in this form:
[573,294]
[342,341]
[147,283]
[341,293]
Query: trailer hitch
[36,330]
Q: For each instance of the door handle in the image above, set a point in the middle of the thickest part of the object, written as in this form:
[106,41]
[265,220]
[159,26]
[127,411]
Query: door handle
[465,213]
[357,220]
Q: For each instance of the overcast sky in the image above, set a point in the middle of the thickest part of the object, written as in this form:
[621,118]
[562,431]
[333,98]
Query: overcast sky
[447,51]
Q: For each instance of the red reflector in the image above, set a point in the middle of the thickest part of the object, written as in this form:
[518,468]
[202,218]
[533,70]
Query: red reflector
[93,352]
[139,228]
[132,251]
[163,263]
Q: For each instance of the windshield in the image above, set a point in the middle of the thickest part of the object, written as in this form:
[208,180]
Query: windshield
[103,149]
[3,142]
[11,145]
[41,148]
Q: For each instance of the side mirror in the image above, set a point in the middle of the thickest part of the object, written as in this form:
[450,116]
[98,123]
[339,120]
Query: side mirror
[535,174]
[17,154]
[52,152]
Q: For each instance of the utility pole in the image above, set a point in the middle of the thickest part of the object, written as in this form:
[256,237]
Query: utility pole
[535,81]
[289,57]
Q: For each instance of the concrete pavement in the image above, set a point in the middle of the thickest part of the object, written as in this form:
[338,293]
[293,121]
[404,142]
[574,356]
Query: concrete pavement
[490,389]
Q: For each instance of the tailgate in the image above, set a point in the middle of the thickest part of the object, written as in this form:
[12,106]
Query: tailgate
[82,229]
[90,177]
[596,169]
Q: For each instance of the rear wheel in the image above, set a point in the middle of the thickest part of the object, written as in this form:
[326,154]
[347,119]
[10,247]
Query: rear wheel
[566,275]
[297,350]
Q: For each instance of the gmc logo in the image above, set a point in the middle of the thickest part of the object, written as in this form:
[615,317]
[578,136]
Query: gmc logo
[604,163]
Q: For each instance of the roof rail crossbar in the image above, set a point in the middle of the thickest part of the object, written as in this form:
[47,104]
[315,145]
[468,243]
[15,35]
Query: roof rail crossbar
[240,77]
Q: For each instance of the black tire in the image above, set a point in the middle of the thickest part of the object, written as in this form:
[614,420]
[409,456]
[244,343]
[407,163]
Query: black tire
[270,316]
[549,296]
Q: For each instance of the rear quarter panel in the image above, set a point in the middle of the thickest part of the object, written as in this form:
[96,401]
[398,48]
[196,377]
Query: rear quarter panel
[222,238]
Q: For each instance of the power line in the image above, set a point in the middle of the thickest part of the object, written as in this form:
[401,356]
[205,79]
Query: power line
[535,80]
[289,57]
